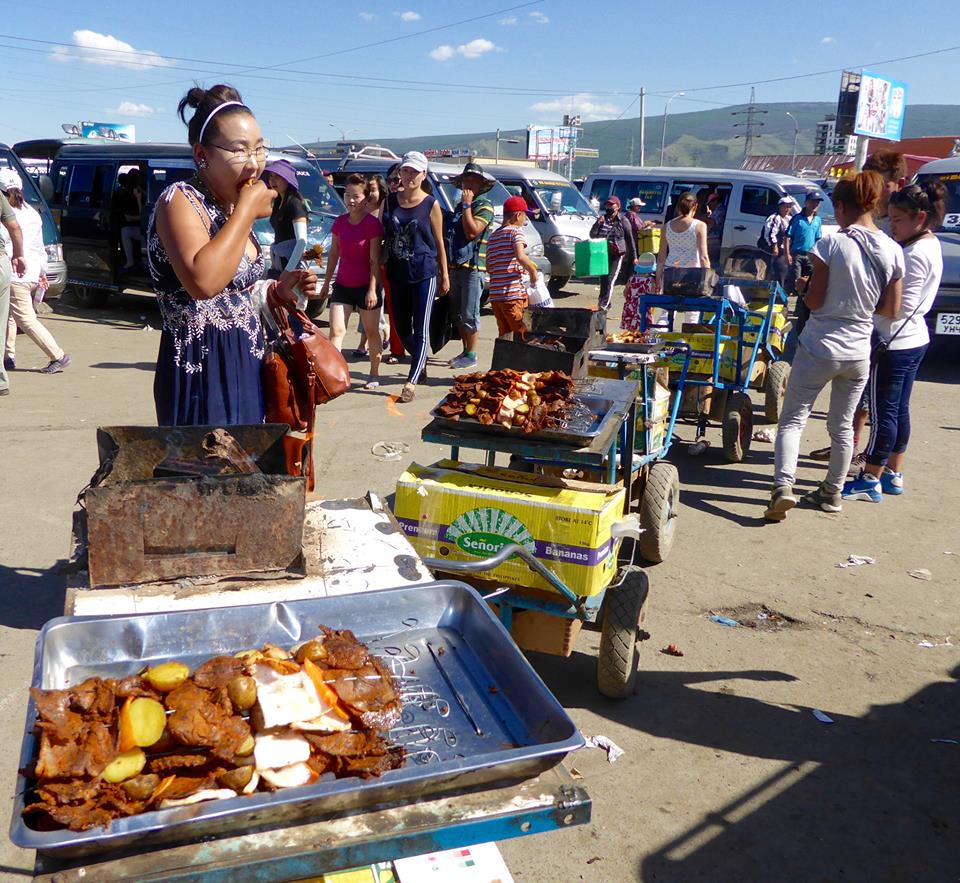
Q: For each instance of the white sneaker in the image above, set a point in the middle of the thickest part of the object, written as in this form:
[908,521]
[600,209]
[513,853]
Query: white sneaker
[463,361]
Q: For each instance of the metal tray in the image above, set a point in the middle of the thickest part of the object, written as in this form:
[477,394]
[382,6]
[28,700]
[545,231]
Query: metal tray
[614,347]
[475,712]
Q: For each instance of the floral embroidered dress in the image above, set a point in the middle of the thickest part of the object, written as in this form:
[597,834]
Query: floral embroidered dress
[208,366]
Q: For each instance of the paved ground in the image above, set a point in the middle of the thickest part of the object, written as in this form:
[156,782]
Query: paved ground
[727,774]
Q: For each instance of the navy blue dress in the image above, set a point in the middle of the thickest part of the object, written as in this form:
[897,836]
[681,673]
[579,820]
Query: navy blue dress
[211,351]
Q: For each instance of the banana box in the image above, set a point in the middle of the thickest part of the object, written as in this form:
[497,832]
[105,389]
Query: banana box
[462,512]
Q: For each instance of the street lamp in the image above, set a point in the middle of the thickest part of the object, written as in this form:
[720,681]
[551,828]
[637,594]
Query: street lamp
[796,134]
[343,132]
[663,132]
[505,141]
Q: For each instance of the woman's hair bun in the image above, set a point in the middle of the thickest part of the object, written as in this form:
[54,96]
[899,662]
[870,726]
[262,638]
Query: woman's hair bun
[204,101]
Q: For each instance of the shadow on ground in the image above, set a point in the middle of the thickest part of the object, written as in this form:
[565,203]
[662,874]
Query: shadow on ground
[864,799]
[29,597]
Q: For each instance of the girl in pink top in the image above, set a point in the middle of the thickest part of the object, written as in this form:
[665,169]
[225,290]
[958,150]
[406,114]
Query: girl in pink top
[355,255]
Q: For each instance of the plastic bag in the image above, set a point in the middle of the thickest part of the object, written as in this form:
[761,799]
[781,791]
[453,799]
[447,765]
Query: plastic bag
[538,295]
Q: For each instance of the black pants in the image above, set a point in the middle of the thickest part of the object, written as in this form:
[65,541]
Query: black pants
[802,266]
[777,270]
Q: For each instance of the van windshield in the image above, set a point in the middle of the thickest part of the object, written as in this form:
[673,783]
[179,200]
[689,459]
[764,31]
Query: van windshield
[950,180]
[560,198]
[8,160]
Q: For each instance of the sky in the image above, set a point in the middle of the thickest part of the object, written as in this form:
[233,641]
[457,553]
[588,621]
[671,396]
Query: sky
[379,69]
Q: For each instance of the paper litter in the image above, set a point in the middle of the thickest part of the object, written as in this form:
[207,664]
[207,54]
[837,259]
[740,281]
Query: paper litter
[856,561]
[920,573]
[613,750]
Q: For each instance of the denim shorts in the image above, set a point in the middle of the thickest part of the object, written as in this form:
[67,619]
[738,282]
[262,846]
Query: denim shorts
[466,288]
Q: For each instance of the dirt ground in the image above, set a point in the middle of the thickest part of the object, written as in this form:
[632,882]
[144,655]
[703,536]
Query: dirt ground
[727,774]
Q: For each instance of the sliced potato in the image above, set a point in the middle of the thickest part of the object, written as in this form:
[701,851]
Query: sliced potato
[242,691]
[125,766]
[249,656]
[142,722]
[238,778]
[312,650]
[246,747]
[141,787]
[272,651]
[167,676]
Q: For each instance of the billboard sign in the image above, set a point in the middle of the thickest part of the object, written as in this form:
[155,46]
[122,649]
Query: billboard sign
[550,143]
[109,131]
[881,107]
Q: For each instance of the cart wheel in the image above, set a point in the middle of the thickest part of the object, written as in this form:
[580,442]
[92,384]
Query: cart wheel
[737,426]
[624,610]
[91,298]
[658,512]
[778,373]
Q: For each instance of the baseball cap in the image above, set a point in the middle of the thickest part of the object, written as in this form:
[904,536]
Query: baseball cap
[10,180]
[813,196]
[612,200]
[414,160]
[514,204]
[636,201]
[785,200]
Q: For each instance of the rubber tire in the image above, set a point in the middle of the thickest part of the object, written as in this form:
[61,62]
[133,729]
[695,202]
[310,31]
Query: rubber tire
[557,284]
[91,298]
[624,609]
[658,512]
[778,373]
[737,427]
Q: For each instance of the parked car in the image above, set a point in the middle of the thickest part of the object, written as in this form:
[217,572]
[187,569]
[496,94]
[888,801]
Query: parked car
[565,216]
[84,185]
[749,198]
[440,176]
[56,267]
[944,318]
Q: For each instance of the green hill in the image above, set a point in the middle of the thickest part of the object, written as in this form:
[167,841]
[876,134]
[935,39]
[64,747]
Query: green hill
[700,138]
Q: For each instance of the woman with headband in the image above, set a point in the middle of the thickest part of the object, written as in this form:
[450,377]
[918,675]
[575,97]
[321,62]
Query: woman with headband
[207,270]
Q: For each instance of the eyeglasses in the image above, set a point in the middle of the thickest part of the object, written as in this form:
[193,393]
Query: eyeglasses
[241,155]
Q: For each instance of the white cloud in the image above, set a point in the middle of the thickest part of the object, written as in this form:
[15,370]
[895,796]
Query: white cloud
[132,109]
[509,22]
[366,16]
[825,40]
[409,15]
[584,104]
[473,49]
[539,18]
[105,49]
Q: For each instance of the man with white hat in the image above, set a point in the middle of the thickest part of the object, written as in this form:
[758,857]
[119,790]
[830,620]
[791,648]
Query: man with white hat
[12,263]
[773,237]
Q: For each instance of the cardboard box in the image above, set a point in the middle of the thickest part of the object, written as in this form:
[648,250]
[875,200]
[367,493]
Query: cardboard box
[463,512]
[544,633]
[592,258]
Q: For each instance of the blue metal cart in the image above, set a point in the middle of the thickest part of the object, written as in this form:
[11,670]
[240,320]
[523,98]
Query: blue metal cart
[733,369]
[621,607]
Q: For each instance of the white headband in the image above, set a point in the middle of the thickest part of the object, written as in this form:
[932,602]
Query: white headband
[213,113]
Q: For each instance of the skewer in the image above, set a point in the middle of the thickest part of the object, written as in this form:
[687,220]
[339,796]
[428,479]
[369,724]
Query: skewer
[456,693]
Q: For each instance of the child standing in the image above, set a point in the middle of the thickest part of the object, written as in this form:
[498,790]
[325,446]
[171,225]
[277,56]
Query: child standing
[506,261]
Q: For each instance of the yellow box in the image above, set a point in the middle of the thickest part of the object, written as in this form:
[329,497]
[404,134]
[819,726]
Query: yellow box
[462,512]
[648,240]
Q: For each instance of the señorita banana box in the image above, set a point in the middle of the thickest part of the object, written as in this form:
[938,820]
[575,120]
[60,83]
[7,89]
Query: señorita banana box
[462,512]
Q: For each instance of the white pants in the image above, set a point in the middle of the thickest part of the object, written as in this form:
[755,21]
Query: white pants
[809,374]
[22,313]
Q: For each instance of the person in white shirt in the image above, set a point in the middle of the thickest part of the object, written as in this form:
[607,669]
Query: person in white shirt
[857,273]
[22,312]
[903,340]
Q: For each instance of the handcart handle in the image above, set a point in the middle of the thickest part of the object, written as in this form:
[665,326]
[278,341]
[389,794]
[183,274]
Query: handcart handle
[506,552]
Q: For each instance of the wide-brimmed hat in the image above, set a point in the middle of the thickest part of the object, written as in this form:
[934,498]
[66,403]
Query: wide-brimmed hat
[10,180]
[283,168]
[472,168]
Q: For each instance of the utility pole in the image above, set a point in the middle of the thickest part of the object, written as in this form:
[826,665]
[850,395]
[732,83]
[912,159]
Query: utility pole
[860,157]
[643,123]
[796,135]
[750,113]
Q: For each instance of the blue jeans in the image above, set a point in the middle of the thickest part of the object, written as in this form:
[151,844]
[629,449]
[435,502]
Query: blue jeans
[466,288]
[891,382]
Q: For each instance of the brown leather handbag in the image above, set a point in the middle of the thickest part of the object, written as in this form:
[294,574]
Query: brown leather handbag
[313,353]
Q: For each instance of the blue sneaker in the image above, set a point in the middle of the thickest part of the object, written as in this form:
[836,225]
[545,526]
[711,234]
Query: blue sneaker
[864,487]
[891,482]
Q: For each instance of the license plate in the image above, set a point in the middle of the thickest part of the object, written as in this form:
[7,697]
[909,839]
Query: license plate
[948,323]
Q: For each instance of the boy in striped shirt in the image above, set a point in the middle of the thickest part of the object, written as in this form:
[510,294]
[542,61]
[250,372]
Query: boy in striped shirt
[506,261]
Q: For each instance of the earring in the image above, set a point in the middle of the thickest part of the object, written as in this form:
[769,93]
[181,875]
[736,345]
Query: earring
[203,163]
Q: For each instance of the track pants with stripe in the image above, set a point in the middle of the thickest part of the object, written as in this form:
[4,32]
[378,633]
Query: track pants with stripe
[412,305]
[612,280]
[891,382]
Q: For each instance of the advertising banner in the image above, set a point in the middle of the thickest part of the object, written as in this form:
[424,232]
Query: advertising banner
[550,143]
[880,107]
[109,131]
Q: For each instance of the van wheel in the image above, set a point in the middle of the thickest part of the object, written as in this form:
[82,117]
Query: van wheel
[91,298]
[557,284]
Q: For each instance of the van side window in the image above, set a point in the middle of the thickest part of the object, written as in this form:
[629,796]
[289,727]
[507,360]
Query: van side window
[761,201]
[60,185]
[600,189]
[653,193]
[91,186]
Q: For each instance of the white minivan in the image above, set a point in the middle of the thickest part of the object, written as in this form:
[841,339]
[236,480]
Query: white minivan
[944,318]
[565,217]
[747,199]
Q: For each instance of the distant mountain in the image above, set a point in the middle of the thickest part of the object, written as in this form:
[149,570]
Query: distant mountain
[701,138]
